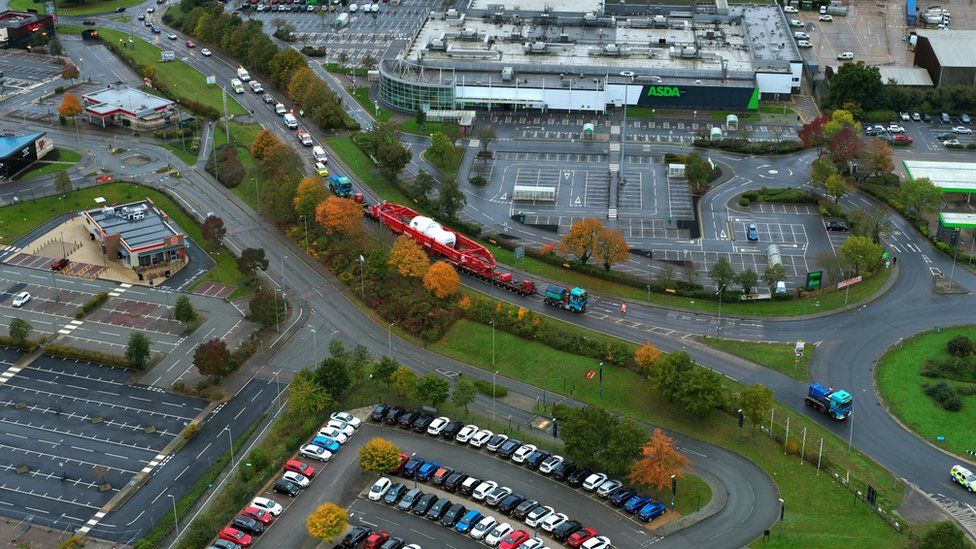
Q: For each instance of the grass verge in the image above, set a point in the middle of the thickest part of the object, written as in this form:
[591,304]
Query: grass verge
[900,385]
[361,94]
[339,69]
[66,159]
[91,8]
[775,356]
[69,29]
[624,391]
[364,169]
[182,80]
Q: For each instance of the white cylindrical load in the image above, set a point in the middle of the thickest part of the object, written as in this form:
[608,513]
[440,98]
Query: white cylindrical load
[444,237]
[420,223]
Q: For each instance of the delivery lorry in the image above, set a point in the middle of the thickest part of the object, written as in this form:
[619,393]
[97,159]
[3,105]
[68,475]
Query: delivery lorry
[836,403]
[563,298]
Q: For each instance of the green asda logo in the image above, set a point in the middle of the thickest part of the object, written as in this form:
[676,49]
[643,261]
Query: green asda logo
[663,91]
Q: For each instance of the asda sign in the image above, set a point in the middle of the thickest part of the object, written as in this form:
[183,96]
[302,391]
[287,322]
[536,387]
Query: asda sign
[717,97]
[663,91]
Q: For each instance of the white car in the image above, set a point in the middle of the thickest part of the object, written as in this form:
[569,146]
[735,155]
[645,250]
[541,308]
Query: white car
[268,505]
[483,489]
[205,52]
[951,143]
[801,36]
[315,452]
[895,128]
[904,116]
[845,56]
[790,9]
[534,543]
[334,434]
[21,298]
[171,36]
[608,488]
[962,130]
[379,489]
[466,432]
[348,418]
[297,478]
[549,464]
[538,515]
[485,525]
[593,481]
[479,439]
[280,109]
[804,44]
[523,452]
[498,534]
[437,425]
[826,17]
[412,546]
[346,428]
[553,521]
[599,542]
[497,495]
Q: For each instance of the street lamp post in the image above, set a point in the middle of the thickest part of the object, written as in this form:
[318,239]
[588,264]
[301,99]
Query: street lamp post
[230,437]
[176,518]
[718,330]
[305,219]
[257,193]
[493,395]
[284,300]
[315,344]
[782,515]
[492,342]
[601,380]
[674,489]
[389,339]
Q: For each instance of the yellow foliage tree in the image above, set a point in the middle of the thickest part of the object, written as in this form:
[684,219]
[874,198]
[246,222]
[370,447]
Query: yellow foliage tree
[379,456]
[646,356]
[581,239]
[661,460]
[442,280]
[264,143]
[407,257]
[70,106]
[610,247]
[327,521]
[339,215]
[310,193]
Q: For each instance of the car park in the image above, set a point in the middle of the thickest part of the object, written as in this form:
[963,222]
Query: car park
[451,430]
[480,530]
[393,415]
[236,536]
[348,418]
[479,439]
[334,434]
[298,478]
[312,451]
[454,480]
[437,425]
[538,516]
[549,464]
[421,423]
[752,233]
[525,507]
[651,511]
[424,504]
[483,489]
[598,542]
[495,442]
[594,481]
[269,505]
[21,299]
[508,503]
[410,499]
[453,515]
[636,503]
[404,458]
[466,432]
[509,447]
[248,525]
[564,470]
[497,495]
[378,412]
[300,467]
[962,130]
[407,419]
[523,452]
[439,509]
[260,515]
[566,529]
[286,487]
[467,522]
[621,496]
[469,485]
[964,477]
[608,488]
[826,17]
[394,494]
[356,536]
[578,537]
[440,475]
[376,539]
[379,489]
[427,470]
[412,466]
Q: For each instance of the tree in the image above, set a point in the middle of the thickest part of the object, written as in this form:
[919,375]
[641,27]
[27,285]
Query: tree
[264,143]
[646,357]
[486,134]
[756,401]
[450,199]
[871,223]
[70,72]
[368,62]
[836,187]
[821,169]
[700,391]
[327,522]
[610,247]
[19,331]
[920,195]
[252,259]
[581,239]
[668,375]
[432,390]
[408,258]
[661,461]
[379,456]
[211,358]
[944,535]
[70,106]
[721,273]
[343,58]
[859,83]
[812,133]
[442,280]
[832,264]
[305,396]
[339,215]
[773,274]
[697,171]
[384,368]
[840,119]
[441,151]
[878,157]
[747,279]
[284,63]
[265,308]
[421,186]
[464,393]
[62,183]
[309,194]
[596,438]
[862,252]
[332,375]
[845,146]
[137,350]
[392,157]
[420,117]
[403,380]
[183,310]
[213,228]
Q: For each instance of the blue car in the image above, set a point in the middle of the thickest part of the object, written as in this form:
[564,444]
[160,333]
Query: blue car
[651,511]
[427,470]
[468,521]
[635,503]
[753,232]
[621,496]
[329,444]
[412,466]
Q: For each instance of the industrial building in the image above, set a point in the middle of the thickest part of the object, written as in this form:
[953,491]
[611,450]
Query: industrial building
[23,30]
[18,152]
[140,235]
[949,56]
[910,77]
[525,56]
[129,107]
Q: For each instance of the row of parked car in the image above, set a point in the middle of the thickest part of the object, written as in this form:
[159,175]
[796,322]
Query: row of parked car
[381,539]
[254,519]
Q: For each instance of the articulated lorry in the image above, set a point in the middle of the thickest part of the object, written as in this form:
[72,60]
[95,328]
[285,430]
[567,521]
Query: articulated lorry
[563,298]
[837,404]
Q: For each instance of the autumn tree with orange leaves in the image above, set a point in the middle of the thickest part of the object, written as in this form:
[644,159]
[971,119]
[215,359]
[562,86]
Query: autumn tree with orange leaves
[581,240]
[407,257]
[70,106]
[339,215]
[264,143]
[442,280]
[646,357]
[309,195]
[610,247]
[661,460]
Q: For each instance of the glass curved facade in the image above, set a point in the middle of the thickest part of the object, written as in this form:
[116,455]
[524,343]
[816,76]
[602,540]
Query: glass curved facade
[410,95]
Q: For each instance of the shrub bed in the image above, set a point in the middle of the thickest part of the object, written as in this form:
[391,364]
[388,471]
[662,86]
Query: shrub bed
[30,347]
[751,147]
[228,169]
[781,196]
[73,353]
[94,302]
[485,387]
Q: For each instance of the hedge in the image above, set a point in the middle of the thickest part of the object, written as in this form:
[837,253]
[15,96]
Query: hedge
[73,353]
[90,305]
[486,388]
[31,346]
[750,147]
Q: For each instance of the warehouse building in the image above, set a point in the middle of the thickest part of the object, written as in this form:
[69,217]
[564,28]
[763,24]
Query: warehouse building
[949,56]
[129,107]
[23,30]
[18,152]
[910,77]
[140,235]
[715,57]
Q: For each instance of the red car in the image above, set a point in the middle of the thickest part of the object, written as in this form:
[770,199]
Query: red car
[299,467]
[514,540]
[404,458]
[259,515]
[902,139]
[581,536]
[376,539]
[59,264]
[103,179]
[190,44]
[236,536]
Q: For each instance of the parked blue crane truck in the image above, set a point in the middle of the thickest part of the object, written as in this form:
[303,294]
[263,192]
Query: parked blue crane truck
[837,404]
[340,185]
[572,300]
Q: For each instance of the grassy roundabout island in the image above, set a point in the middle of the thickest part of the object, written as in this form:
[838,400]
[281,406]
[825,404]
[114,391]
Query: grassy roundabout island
[910,379]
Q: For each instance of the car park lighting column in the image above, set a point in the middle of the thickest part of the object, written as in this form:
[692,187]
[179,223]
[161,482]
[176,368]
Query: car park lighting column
[389,339]
[231,437]
[176,518]
[493,396]
[492,322]
[305,219]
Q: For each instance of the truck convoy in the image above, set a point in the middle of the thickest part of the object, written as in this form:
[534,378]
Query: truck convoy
[563,298]
[837,404]
[340,185]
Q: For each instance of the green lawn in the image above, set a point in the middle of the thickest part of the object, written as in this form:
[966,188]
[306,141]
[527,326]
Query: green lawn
[23,5]
[69,29]
[188,157]
[92,7]
[900,386]
[361,93]
[364,169]
[17,220]
[776,356]
[183,81]
[624,391]
[66,159]
[339,69]
[242,135]
[430,128]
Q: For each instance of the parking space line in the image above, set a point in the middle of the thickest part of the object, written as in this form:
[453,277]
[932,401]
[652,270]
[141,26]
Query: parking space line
[103,403]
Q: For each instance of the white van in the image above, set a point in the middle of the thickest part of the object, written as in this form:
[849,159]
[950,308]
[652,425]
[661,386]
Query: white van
[353,8]
[846,56]
[242,74]
[256,86]
[290,121]
[237,86]
[780,287]
[319,154]
[280,109]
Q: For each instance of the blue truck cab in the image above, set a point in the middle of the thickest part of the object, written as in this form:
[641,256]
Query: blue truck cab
[836,403]
[340,185]
[572,300]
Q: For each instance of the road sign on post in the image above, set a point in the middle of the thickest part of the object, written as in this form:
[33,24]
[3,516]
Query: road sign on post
[520,252]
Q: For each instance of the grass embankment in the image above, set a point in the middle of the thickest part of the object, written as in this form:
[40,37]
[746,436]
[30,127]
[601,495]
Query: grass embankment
[364,169]
[776,356]
[17,220]
[92,8]
[900,385]
[66,159]
[626,392]
[361,93]
[182,80]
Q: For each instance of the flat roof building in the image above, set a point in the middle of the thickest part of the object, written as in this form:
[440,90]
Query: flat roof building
[18,152]
[948,55]
[125,106]
[25,29]
[140,235]
[949,177]
[913,77]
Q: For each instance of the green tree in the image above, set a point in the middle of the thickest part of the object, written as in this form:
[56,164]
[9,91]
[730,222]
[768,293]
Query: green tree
[596,438]
[19,331]
[840,119]
[432,390]
[442,151]
[266,308]
[697,171]
[450,200]
[668,375]
[384,368]
[464,393]
[332,375]
[700,391]
[213,229]
[862,252]
[747,279]
[252,259]
[421,186]
[856,82]
[62,183]
[756,401]
[821,170]
[721,273]
[920,195]
[773,274]
[836,187]
[137,350]
[944,535]
[183,310]
[420,117]
[305,396]
[870,223]
[403,380]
